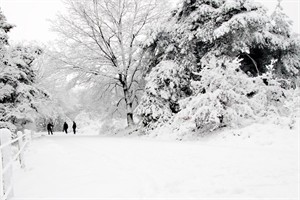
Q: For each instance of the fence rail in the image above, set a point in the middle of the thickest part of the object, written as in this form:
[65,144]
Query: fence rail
[8,157]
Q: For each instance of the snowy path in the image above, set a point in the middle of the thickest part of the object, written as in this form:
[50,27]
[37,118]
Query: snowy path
[82,167]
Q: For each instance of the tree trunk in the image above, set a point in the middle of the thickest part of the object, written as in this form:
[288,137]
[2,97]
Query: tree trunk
[129,112]
[130,121]
[129,109]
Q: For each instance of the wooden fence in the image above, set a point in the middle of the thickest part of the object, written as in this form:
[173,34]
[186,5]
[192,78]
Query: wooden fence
[10,151]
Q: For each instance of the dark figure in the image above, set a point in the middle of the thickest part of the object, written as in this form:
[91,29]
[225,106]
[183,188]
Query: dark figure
[49,128]
[66,128]
[74,127]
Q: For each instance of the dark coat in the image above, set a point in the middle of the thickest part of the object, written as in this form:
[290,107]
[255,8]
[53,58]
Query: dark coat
[49,126]
[74,125]
[66,126]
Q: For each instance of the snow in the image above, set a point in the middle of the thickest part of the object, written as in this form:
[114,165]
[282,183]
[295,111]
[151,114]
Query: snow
[258,161]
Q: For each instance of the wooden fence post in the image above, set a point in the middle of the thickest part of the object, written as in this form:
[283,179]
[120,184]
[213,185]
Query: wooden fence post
[1,175]
[5,137]
[20,145]
[28,135]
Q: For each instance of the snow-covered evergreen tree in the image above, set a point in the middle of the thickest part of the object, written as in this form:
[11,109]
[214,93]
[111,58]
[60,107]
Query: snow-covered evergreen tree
[286,45]
[236,28]
[230,27]
[225,30]
[19,97]
[4,29]
[163,91]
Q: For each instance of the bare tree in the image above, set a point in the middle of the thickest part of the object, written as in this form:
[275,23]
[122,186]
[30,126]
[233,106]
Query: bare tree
[102,39]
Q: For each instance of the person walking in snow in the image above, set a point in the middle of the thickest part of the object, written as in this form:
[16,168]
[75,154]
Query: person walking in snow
[49,128]
[74,127]
[65,128]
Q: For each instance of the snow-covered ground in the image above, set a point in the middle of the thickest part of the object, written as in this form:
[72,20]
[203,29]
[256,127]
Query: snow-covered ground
[241,165]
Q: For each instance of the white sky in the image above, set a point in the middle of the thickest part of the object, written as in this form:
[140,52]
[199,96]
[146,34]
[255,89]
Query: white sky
[31,17]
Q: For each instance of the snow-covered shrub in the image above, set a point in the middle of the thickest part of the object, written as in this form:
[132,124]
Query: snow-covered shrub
[226,96]
[220,97]
[165,86]
[292,108]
